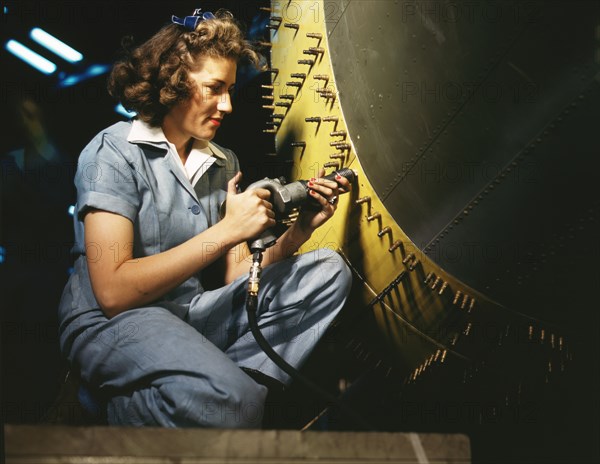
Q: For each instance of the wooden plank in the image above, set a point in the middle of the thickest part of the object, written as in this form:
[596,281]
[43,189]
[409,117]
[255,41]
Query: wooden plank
[26,444]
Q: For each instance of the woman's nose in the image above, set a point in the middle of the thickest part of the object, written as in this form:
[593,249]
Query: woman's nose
[224,105]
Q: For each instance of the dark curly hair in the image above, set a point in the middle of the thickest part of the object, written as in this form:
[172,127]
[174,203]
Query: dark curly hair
[153,78]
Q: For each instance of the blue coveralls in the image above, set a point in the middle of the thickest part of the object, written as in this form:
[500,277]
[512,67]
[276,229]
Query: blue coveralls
[177,361]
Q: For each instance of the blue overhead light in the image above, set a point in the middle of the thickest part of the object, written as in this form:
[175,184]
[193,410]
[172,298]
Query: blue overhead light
[92,71]
[30,57]
[71,210]
[97,69]
[122,111]
[54,45]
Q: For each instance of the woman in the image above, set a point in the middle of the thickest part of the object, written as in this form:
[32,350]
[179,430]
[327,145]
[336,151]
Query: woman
[135,318]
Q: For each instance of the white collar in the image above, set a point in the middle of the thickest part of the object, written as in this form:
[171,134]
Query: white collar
[198,161]
[141,132]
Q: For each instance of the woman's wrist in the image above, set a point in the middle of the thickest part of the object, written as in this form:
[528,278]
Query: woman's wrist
[231,234]
[300,232]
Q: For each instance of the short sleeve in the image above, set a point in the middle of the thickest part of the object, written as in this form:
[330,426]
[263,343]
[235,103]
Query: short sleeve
[106,180]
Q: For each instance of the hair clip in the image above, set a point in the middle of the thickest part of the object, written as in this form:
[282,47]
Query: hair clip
[190,22]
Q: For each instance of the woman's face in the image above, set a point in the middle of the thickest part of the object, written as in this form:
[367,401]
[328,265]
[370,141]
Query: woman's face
[201,115]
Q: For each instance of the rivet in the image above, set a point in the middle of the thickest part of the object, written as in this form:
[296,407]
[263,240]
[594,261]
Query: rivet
[314,35]
[268,107]
[287,97]
[321,77]
[362,200]
[292,26]
[428,278]
[341,145]
[456,297]
[298,144]
[331,164]
[472,305]
[284,104]
[294,84]
[437,280]
[385,230]
[443,288]
[408,258]
[267,86]
[337,156]
[464,301]
[326,93]
[373,216]
[298,75]
[270,131]
[307,62]
[316,119]
[467,330]
[330,119]
[412,266]
[268,97]
[340,133]
[395,246]
[337,143]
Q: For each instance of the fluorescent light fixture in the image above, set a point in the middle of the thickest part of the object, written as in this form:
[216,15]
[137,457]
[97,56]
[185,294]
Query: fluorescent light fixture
[97,69]
[2,254]
[92,71]
[30,57]
[71,210]
[122,111]
[70,80]
[54,45]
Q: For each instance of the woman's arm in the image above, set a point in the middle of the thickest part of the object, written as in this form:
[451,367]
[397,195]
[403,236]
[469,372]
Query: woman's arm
[121,282]
[238,260]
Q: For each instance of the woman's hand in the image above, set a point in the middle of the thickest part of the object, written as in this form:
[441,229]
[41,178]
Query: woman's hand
[248,213]
[326,193]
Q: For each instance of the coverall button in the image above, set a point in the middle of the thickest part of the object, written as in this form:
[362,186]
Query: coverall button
[195,209]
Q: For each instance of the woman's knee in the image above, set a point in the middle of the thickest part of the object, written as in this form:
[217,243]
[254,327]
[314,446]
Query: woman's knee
[239,405]
[331,271]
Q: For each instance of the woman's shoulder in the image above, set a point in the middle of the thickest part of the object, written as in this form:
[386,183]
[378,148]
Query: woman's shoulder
[113,139]
[117,133]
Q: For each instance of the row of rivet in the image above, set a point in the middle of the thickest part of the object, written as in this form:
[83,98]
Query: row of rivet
[438,357]
[501,176]
[275,22]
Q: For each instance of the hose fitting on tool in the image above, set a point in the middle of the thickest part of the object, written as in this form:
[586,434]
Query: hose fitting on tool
[255,272]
